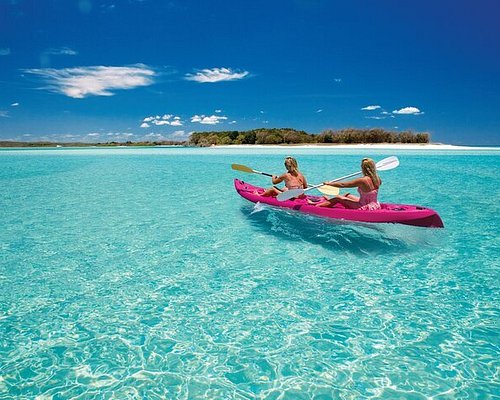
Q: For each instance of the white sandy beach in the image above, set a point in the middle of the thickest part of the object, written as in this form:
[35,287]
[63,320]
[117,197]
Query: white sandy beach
[375,146]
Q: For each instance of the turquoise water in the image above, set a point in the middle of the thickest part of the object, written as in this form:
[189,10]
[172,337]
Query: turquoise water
[139,273]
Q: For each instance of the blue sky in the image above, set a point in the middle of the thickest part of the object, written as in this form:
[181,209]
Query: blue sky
[88,70]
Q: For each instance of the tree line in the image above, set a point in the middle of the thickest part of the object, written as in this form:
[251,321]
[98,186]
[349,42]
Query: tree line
[293,136]
[260,136]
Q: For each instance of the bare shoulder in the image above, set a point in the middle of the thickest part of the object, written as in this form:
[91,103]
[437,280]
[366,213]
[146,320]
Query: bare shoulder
[365,183]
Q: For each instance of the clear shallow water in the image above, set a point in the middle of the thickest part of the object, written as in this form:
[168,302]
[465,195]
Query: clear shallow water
[139,273]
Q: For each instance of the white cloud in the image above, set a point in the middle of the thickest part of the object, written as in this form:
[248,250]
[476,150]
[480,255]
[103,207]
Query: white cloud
[82,82]
[14,104]
[5,51]
[370,108]
[90,137]
[320,110]
[216,75]
[408,111]
[155,136]
[218,111]
[120,135]
[337,80]
[61,51]
[166,119]
[4,113]
[45,57]
[376,117]
[180,134]
[211,120]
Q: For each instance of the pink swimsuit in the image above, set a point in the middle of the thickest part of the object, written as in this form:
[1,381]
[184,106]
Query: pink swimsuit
[368,200]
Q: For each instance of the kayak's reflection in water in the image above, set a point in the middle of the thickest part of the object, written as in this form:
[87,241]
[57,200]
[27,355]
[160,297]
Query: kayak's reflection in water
[336,235]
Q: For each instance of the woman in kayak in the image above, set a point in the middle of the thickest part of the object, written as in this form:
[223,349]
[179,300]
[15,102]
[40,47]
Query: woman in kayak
[367,186]
[293,179]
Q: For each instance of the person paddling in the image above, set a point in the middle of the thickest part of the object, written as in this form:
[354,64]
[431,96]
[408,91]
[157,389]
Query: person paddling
[293,179]
[367,186]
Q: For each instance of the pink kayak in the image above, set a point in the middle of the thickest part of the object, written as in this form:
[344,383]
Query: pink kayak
[389,213]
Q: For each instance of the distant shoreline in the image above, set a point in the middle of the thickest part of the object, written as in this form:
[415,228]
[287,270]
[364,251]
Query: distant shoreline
[372,146]
[379,146]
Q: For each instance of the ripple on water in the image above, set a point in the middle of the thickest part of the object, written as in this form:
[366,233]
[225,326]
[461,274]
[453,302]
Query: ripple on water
[129,275]
[356,238]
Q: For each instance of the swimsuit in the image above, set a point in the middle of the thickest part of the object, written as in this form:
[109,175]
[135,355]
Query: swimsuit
[368,200]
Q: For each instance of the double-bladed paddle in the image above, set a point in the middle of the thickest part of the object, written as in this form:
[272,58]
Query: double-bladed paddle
[382,165]
[326,189]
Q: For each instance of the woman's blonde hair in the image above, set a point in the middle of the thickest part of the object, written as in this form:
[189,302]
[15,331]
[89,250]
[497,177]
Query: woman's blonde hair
[369,169]
[291,165]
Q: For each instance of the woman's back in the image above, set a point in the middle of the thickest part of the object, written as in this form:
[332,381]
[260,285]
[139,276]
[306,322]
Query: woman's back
[294,181]
[368,194]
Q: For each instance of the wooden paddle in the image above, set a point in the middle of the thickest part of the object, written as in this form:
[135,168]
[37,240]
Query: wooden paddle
[382,165]
[326,189]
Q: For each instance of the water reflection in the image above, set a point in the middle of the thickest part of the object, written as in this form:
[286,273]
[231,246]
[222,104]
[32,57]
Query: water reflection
[336,235]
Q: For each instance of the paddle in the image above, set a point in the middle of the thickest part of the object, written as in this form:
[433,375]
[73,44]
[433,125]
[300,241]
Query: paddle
[382,165]
[326,189]
[244,168]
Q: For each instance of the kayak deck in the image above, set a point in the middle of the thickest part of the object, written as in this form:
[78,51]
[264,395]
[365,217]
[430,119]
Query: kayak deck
[389,213]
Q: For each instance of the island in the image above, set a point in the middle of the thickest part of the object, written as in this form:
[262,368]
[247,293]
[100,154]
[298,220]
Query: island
[260,136]
[287,136]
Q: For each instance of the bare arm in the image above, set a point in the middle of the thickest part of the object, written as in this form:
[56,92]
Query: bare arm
[278,179]
[304,180]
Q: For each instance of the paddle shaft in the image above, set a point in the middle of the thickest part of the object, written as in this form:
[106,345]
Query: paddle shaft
[334,180]
[244,168]
[382,165]
[263,173]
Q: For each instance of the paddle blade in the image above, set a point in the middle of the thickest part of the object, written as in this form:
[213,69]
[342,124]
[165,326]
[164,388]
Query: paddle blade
[287,195]
[387,163]
[330,190]
[242,168]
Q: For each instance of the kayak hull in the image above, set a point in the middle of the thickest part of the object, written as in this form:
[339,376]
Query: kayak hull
[389,213]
